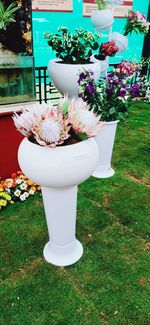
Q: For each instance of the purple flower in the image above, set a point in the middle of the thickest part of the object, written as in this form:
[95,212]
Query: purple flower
[135,90]
[90,88]
[122,92]
[84,75]
[109,91]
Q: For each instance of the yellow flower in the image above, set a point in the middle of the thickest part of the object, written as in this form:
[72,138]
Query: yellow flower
[3,202]
[12,202]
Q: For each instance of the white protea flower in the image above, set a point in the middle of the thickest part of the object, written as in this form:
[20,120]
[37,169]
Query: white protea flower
[52,129]
[82,120]
[25,121]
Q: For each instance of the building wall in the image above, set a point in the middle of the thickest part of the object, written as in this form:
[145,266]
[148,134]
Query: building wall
[49,21]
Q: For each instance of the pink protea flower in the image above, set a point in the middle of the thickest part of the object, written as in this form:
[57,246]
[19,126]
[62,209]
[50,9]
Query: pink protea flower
[52,129]
[82,120]
[25,121]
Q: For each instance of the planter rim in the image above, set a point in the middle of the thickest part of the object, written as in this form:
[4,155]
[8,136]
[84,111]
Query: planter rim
[110,122]
[69,64]
[57,147]
[97,10]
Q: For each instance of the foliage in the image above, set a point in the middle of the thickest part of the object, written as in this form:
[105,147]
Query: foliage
[7,15]
[16,188]
[136,21]
[73,48]
[101,4]
[108,99]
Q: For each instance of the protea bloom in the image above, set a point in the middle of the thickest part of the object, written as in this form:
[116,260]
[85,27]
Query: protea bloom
[82,120]
[24,122]
[52,129]
[49,126]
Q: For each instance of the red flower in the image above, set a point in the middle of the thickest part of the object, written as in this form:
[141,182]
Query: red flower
[13,175]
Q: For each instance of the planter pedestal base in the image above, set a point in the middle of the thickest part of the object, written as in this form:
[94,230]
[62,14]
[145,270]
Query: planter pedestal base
[60,208]
[63,255]
[100,173]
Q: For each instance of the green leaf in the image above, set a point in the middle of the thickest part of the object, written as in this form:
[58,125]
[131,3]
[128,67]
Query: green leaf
[112,110]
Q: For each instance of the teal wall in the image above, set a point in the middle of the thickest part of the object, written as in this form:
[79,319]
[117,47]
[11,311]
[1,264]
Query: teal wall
[49,21]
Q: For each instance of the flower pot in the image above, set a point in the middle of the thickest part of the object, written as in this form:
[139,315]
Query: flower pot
[65,76]
[120,40]
[102,19]
[59,170]
[105,141]
[103,63]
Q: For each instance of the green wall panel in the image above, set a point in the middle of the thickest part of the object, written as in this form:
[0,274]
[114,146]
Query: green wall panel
[49,21]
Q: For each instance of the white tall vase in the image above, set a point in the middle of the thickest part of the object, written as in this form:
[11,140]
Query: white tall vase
[120,40]
[59,170]
[65,76]
[102,19]
[105,141]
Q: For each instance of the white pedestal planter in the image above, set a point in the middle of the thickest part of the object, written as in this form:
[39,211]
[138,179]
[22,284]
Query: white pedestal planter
[102,19]
[65,76]
[105,141]
[59,170]
[104,64]
[120,40]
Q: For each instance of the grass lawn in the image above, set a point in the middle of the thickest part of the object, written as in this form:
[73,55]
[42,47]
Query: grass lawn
[109,285]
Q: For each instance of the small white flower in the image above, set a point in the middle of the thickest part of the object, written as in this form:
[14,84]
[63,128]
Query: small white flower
[22,197]
[17,193]
[18,181]
[23,186]
[26,194]
[31,192]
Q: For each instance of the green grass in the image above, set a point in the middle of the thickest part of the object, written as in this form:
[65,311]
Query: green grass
[109,285]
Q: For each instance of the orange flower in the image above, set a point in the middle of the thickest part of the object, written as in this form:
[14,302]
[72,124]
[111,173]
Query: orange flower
[13,175]
[1,185]
[29,182]
[38,188]
[33,188]
[14,184]
[5,184]
[23,176]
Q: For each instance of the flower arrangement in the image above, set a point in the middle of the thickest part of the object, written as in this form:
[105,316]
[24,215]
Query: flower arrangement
[136,80]
[16,188]
[70,122]
[136,21]
[126,68]
[73,48]
[107,49]
[109,99]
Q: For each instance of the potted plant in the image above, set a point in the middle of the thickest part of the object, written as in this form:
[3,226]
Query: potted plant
[7,17]
[106,49]
[58,153]
[73,50]
[110,101]
[102,18]
[136,22]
